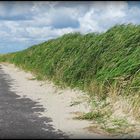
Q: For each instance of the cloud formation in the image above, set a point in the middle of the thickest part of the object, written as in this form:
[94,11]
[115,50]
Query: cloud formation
[23,24]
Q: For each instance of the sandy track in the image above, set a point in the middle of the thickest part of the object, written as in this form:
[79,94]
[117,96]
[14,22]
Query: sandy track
[57,102]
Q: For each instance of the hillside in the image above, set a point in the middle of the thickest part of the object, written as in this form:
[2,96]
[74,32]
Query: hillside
[92,62]
[105,65]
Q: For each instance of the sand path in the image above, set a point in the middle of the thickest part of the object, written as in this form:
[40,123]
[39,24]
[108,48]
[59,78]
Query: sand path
[56,102]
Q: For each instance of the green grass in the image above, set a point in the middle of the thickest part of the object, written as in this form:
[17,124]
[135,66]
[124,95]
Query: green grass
[104,65]
[91,62]
[96,116]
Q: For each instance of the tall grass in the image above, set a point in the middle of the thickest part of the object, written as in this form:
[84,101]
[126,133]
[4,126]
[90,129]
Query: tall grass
[92,62]
[106,66]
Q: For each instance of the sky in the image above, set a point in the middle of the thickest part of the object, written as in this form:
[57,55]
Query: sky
[25,23]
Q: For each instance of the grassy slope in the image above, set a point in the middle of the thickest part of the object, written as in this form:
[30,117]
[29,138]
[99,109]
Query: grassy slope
[101,64]
[91,62]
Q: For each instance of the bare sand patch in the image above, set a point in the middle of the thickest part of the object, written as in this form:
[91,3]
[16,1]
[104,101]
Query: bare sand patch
[59,103]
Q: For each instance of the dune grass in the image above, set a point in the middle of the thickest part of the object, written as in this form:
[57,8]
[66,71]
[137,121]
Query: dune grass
[91,62]
[101,64]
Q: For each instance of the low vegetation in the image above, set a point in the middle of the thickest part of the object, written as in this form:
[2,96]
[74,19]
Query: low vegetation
[105,65]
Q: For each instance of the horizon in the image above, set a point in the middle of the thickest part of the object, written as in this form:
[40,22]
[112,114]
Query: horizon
[24,24]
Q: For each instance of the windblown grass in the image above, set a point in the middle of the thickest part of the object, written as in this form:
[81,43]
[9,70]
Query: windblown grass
[104,65]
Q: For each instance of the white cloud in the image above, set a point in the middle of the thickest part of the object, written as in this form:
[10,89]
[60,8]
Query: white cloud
[33,22]
[102,15]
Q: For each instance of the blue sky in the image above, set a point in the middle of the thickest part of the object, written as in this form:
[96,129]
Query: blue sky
[23,24]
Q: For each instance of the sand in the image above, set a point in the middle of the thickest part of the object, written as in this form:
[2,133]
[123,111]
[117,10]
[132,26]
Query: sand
[56,101]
